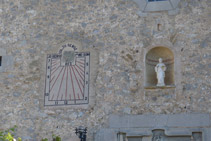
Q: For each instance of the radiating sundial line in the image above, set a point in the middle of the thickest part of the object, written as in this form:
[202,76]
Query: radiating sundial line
[77,83]
[56,78]
[79,74]
[80,62]
[80,68]
[81,71]
[51,89]
[66,85]
[72,83]
[55,66]
[80,58]
[61,84]
[55,70]
[55,63]
[81,83]
[52,79]
[56,73]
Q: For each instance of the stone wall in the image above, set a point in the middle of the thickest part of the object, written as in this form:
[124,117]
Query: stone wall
[119,34]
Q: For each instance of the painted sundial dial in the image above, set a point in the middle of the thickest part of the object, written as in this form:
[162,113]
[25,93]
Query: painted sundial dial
[67,77]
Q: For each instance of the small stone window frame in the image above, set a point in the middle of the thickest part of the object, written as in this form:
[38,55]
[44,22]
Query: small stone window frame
[0,60]
[6,61]
[157,5]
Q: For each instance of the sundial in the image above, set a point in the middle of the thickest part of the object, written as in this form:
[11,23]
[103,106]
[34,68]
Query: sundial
[67,77]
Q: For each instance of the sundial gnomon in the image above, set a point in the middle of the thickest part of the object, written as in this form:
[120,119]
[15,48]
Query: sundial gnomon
[67,77]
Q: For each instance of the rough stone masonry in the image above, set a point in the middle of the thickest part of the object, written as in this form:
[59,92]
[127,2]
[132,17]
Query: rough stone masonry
[118,34]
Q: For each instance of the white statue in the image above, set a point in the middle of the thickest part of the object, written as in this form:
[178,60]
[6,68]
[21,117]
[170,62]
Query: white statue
[160,69]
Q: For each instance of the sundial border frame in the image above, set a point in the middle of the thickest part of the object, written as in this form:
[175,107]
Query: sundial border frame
[75,101]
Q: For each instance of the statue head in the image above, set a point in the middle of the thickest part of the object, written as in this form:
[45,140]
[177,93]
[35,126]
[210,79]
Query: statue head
[160,60]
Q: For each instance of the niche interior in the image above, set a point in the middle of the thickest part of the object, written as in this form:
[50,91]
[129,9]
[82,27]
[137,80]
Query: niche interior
[152,59]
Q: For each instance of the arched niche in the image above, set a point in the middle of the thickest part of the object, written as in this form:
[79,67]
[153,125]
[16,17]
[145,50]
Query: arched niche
[152,59]
[68,56]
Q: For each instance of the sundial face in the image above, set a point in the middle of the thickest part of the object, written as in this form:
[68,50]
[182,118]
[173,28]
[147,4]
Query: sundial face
[67,77]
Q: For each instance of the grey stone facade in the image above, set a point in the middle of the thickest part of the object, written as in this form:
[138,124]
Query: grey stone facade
[119,34]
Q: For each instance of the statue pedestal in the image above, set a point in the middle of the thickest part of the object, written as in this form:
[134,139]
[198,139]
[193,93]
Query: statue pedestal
[160,87]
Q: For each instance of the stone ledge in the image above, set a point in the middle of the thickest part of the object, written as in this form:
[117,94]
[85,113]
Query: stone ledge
[160,121]
[160,87]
